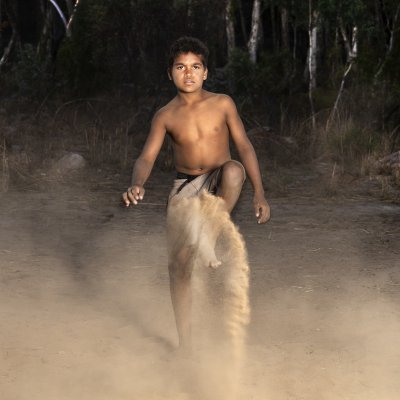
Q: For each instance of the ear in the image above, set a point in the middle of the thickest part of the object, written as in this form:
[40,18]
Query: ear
[169,74]
[205,74]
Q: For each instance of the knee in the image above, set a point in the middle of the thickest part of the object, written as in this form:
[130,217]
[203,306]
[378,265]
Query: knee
[233,173]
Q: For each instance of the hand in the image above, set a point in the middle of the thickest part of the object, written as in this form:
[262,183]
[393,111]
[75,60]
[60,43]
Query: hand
[133,195]
[261,208]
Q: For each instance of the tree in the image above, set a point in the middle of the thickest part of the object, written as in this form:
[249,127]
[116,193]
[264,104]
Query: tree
[351,56]
[392,28]
[11,13]
[313,20]
[230,26]
[252,44]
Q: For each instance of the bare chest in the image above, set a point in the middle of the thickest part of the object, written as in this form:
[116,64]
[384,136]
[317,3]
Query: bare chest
[194,126]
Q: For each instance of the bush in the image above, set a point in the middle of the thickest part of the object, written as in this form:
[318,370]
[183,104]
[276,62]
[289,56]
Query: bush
[269,76]
[29,75]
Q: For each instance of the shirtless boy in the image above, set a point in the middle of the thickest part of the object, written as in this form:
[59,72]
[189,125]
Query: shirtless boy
[200,124]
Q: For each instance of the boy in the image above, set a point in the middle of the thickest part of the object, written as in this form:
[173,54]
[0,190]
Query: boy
[200,124]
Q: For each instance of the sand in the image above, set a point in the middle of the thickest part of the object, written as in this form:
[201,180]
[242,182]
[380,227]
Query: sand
[85,311]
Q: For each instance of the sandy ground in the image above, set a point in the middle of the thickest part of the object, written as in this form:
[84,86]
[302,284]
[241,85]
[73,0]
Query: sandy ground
[85,310]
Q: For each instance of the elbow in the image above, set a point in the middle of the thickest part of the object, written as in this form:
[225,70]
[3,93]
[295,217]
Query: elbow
[246,150]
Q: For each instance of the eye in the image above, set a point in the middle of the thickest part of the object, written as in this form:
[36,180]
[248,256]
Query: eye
[179,67]
[196,67]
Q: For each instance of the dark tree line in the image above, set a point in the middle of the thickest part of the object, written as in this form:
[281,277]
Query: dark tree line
[324,72]
[260,46]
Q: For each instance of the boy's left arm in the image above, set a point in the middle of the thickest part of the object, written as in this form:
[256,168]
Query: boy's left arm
[249,159]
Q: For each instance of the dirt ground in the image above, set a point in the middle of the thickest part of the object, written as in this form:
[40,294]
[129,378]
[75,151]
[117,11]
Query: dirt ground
[86,314]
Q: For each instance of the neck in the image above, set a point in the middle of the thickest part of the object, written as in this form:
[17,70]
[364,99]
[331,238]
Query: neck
[190,98]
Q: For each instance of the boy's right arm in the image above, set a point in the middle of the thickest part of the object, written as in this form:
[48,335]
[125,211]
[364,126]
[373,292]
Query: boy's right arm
[144,164]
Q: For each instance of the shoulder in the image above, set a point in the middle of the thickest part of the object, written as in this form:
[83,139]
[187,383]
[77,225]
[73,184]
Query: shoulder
[224,101]
[226,104]
[220,100]
[162,115]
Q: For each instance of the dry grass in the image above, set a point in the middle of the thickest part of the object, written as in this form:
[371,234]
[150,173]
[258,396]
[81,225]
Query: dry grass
[5,174]
[110,134]
[107,135]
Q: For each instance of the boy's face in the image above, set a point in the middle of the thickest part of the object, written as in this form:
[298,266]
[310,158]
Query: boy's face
[188,72]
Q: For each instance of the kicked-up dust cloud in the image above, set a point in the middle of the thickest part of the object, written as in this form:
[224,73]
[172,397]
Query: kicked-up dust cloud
[202,224]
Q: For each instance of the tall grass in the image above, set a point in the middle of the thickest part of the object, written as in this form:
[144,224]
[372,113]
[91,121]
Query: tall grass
[4,173]
[354,134]
[105,146]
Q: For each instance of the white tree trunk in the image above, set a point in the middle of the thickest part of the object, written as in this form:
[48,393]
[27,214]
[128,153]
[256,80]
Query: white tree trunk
[350,46]
[313,51]
[1,19]
[354,42]
[230,27]
[59,12]
[352,51]
[10,12]
[71,17]
[312,56]
[252,44]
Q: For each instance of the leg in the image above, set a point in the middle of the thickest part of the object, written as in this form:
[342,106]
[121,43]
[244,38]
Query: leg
[180,271]
[231,183]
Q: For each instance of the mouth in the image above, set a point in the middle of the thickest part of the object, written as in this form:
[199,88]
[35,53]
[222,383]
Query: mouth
[188,82]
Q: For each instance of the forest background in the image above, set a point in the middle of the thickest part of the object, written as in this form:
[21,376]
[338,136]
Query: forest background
[313,80]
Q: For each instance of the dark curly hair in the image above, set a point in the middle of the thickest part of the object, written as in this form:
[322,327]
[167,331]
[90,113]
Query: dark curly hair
[186,44]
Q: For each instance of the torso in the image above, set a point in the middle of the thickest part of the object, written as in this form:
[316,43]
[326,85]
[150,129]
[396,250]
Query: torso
[199,133]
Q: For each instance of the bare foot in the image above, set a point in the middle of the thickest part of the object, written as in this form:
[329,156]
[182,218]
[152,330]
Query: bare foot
[214,264]
[207,251]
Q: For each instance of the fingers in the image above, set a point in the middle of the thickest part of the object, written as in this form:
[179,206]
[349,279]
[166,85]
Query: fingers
[125,199]
[262,213]
[133,195]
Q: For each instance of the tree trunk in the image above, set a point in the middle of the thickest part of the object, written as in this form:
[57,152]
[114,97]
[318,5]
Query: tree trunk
[1,22]
[59,12]
[44,49]
[242,22]
[230,27]
[285,29]
[313,50]
[285,44]
[393,30]
[312,56]
[11,13]
[252,44]
[352,51]
[294,49]
[71,17]
[273,28]
[354,42]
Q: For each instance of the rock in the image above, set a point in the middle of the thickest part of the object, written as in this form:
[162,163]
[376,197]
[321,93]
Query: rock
[70,162]
[391,165]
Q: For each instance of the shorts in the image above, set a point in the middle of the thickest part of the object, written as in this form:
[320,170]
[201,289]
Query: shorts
[192,185]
